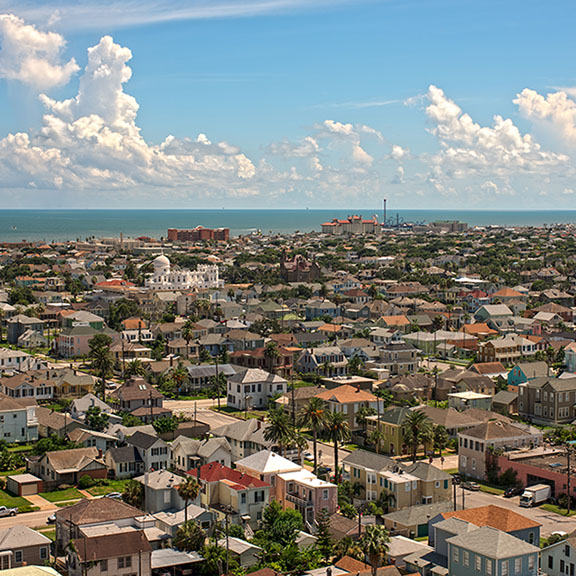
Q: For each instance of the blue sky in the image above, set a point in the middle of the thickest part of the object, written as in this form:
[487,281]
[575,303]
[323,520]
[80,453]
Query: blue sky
[286,103]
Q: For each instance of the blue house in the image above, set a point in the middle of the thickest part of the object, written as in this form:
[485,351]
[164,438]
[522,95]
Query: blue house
[527,371]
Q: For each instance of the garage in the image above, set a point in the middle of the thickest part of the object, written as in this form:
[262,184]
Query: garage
[23,484]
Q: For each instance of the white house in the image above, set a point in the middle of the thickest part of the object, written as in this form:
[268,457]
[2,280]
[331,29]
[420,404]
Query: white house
[252,388]
[163,278]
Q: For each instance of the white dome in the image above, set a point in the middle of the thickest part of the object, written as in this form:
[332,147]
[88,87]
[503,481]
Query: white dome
[161,262]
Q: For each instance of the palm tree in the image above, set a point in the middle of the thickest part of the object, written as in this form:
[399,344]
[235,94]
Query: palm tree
[337,431]
[271,354]
[374,543]
[362,416]
[375,438]
[188,490]
[280,430]
[102,360]
[313,416]
[218,383]
[440,438]
[418,430]
[136,368]
[133,493]
[188,334]
[179,374]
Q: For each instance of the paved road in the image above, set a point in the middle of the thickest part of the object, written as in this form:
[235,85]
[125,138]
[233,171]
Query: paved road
[30,519]
[550,522]
[202,410]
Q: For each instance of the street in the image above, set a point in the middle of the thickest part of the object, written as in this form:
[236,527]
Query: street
[30,519]
[202,410]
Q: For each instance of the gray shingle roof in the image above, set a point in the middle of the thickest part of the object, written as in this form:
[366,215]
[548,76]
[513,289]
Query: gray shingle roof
[365,459]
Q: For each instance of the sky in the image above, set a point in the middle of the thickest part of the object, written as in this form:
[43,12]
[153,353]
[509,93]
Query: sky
[439,104]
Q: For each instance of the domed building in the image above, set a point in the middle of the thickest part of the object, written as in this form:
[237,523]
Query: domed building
[164,278]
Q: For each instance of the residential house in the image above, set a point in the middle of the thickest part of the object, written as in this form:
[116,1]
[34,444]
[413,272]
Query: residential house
[189,453]
[504,350]
[52,423]
[17,325]
[401,486]
[252,389]
[18,421]
[22,546]
[245,553]
[326,361]
[523,372]
[200,376]
[245,437]
[243,497]
[505,402]
[391,425]
[18,360]
[124,462]
[67,466]
[97,513]
[348,401]
[282,364]
[321,308]
[465,400]
[414,521]
[476,445]
[160,491]
[398,357]
[296,398]
[75,341]
[155,453]
[559,559]
[140,399]
[494,315]
[121,554]
[170,520]
[80,406]
[92,438]
[548,400]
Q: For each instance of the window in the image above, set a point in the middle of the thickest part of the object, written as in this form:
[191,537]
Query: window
[550,561]
[455,555]
[103,565]
[125,562]
[43,553]
[437,484]
[243,498]
[517,565]
[466,558]
[324,494]
[530,562]
[562,565]
[478,563]
[488,564]
[567,550]
[18,556]
[504,571]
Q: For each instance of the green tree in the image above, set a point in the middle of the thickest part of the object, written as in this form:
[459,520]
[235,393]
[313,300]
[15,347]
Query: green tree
[190,537]
[188,331]
[337,431]
[279,429]
[362,416]
[279,526]
[375,543]
[129,420]
[218,385]
[166,425]
[96,419]
[441,438]
[188,490]
[313,416]
[180,376]
[135,367]
[21,296]
[102,360]
[121,310]
[375,438]
[214,560]
[133,494]
[418,429]
[324,541]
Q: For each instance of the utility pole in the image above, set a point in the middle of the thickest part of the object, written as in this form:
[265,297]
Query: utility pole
[568,474]
[293,402]
[151,408]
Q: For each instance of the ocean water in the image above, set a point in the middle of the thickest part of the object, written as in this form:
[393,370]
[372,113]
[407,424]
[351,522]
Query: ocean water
[58,225]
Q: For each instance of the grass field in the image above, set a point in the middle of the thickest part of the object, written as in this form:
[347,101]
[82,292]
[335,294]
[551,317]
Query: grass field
[15,502]
[111,486]
[62,495]
[557,509]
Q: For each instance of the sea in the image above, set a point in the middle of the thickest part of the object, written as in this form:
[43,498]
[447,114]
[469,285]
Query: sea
[61,225]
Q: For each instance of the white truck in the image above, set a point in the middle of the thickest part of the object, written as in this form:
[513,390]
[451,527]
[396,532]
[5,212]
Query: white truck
[534,495]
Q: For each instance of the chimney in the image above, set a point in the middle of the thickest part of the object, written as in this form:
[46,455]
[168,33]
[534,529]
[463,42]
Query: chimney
[171,360]
[357,388]
[99,452]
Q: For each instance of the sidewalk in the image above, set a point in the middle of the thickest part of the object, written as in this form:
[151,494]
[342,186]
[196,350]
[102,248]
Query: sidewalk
[42,503]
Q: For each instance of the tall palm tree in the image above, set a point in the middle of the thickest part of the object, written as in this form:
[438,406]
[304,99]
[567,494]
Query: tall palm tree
[280,429]
[136,368]
[102,360]
[188,334]
[271,354]
[188,490]
[179,374]
[374,543]
[313,416]
[375,438]
[133,493]
[337,431]
[418,430]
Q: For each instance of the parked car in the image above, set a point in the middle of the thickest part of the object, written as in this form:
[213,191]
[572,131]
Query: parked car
[513,491]
[472,486]
[324,469]
[51,519]
[114,495]
[309,456]
[4,511]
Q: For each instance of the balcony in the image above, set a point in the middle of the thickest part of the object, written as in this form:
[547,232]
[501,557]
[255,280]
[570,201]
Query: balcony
[299,502]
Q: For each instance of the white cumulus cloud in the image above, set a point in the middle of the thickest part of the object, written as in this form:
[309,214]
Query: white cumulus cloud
[32,56]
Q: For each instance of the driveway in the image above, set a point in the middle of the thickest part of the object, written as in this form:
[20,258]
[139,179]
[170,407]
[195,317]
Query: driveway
[202,410]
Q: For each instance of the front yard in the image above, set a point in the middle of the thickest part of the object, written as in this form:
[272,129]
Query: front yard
[15,502]
[110,486]
[62,495]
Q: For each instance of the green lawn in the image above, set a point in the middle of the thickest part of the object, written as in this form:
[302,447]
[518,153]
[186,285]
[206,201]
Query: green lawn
[557,509]
[451,471]
[15,502]
[62,495]
[111,486]
[17,448]
[67,503]
[491,489]
[11,472]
